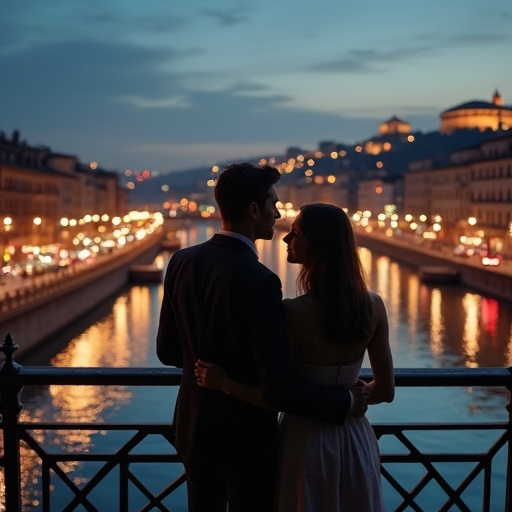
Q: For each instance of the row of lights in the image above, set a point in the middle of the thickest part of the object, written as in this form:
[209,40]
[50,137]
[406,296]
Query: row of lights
[138,225]
[468,244]
[65,222]
[392,221]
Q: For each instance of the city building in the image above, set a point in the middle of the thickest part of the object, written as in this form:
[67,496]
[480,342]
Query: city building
[393,126]
[319,191]
[39,187]
[472,195]
[479,114]
[378,195]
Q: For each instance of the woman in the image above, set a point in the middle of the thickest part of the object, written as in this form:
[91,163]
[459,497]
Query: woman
[324,466]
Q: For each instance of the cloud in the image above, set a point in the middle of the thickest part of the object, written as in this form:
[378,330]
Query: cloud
[485,31]
[247,87]
[224,17]
[77,71]
[176,101]
[478,39]
[120,105]
[369,60]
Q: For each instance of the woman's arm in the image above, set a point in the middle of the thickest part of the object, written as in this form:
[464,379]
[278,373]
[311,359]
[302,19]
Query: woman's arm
[382,387]
[212,376]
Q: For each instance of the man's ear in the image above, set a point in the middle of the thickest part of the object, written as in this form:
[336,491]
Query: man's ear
[254,209]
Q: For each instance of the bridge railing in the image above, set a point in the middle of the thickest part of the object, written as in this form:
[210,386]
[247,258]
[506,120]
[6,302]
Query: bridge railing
[117,468]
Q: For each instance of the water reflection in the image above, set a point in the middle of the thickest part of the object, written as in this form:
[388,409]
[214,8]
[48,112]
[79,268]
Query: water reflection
[508,350]
[457,326]
[490,313]
[436,325]
[471,330]
[413,306]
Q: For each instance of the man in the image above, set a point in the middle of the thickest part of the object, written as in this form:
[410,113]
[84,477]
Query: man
[221,304]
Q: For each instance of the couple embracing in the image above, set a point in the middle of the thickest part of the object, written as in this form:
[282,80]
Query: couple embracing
[270,411]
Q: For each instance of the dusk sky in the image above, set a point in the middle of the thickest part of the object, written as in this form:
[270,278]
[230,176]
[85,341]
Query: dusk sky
[166,85]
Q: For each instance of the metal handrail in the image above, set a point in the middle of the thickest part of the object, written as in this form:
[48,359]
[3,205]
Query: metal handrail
[14,377]
[101,376]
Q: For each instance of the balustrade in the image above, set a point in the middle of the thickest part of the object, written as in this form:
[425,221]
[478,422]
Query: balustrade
[125,457]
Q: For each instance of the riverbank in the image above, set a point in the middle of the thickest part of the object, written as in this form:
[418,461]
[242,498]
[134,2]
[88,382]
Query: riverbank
[35,313]
[492,281]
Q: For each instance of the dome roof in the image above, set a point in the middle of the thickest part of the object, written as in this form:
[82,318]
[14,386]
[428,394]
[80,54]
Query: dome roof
[476,104]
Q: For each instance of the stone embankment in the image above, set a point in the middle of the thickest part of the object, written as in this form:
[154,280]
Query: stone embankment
[492,281]
[48,303]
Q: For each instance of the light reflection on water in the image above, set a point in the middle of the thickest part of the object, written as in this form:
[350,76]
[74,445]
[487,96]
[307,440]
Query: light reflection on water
[429,327]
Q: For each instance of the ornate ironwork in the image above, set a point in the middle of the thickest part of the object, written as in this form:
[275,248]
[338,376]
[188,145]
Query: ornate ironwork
[129,454]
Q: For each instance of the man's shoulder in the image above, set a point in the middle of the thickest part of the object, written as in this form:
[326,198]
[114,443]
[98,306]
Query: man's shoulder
[226,252]
[187,251]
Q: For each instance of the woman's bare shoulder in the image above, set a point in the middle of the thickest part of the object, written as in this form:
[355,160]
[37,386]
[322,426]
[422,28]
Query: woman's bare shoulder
[378,304]
[298,307]
[298,302]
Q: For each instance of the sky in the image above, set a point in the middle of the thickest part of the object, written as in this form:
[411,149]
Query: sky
[168,85]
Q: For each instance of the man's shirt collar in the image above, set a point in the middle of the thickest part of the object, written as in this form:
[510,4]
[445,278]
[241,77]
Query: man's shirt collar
[243,238]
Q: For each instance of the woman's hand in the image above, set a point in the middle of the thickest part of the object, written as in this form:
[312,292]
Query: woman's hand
[210,375]
[360,397]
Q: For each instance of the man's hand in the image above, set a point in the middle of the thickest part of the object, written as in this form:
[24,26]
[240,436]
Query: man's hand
[360,395]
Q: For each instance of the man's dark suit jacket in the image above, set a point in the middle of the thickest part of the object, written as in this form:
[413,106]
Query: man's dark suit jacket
[221,304]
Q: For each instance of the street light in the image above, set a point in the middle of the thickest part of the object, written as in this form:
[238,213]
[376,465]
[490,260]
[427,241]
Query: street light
[6,228]
[37,222]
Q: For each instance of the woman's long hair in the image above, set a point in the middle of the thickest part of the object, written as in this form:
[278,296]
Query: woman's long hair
[333,273]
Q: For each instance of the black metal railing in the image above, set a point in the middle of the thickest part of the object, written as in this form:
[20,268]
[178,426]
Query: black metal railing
[117,467]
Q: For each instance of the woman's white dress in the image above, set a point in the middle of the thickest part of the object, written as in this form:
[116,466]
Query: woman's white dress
[325,467]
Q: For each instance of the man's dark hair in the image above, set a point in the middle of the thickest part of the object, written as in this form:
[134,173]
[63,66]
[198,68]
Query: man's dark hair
[241,184]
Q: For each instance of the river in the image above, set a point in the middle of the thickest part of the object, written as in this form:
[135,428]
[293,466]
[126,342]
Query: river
[430,327]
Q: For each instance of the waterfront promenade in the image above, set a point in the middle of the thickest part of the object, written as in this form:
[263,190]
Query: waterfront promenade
[36,307]
[404,249]
[495,281]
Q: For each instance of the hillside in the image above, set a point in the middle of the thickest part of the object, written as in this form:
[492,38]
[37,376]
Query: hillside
[433,146]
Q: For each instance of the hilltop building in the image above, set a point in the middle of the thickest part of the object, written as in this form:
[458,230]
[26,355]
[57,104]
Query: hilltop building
[472,115]
[479,114]
[394,126]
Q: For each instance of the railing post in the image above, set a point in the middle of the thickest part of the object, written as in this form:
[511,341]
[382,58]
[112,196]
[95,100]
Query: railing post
[10,408]
[508,505]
